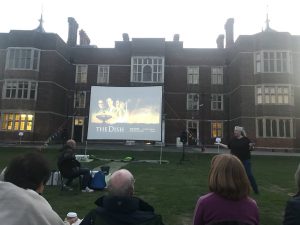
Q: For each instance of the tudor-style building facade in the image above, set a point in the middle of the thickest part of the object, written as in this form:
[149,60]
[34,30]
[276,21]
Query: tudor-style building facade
[253,82]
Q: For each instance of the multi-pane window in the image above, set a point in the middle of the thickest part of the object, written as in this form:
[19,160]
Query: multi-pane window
[103,74]
[79,99]
[274,127]
[22,59]
[17,122]
[147,69]
[193,74]
[273,62]
[275,94]
[192,101]
[20,89]
[217,75]
[81,73]
[216,129]
[217,102]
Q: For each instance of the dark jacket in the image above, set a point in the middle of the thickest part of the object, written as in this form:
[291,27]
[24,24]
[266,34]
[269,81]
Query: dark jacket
[113,210]
[292,211]
[67,163]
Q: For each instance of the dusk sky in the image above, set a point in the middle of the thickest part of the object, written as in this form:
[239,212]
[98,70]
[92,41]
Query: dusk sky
[198,22]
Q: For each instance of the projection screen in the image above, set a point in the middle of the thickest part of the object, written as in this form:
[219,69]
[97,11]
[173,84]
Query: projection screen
[125,113]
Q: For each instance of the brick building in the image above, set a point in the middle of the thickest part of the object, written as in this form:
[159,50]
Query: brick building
[252,82]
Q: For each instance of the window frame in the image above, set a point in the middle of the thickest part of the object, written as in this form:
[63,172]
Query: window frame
[267,61]
[192,75]
[271,127]
[17,89]
[216,129]
[14,61]
[104,75]
[192,101]
[81,100]
[217,75]
[81,76]
[15,119]
[139,65]
[215,102]
[270,94]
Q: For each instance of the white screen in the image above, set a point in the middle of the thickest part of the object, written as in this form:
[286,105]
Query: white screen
[125,113]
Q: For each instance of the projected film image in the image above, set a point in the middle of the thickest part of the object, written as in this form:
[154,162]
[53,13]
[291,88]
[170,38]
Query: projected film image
[128,113]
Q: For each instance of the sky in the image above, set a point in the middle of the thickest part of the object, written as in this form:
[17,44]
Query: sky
[198,22]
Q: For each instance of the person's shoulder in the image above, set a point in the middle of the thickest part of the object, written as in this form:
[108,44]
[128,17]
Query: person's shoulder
[294,201]
[208,197]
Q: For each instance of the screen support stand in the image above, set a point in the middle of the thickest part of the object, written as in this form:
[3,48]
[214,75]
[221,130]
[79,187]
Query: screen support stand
[160,157]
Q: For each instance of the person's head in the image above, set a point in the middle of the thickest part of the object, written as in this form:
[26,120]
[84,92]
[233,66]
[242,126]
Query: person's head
[100,104]
[28,171]
[239,131]
[297,177]
[72,217]
[121,183]
[71,144]
[109,102]
[228,178]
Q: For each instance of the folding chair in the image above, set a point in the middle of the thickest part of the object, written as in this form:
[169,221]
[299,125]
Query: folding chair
[63,180]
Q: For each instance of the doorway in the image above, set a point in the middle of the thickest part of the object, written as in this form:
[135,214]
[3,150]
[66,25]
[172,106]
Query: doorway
[193,132]
[78,129]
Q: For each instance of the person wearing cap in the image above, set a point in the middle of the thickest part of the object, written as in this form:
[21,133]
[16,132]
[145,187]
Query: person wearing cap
[21,200]
[72,219]
[70,168]
[120,206]
[241,147]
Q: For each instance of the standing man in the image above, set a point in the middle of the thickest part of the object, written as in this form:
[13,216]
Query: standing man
[241,146]
[120,207]
[70,168]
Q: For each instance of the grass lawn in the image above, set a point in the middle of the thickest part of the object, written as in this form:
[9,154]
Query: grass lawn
[173,188]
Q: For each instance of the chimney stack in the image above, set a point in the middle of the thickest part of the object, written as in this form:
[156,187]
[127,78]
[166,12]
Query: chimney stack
[220,41]
[125,37]
[229,32]
[176,38]
[84,39]
[73,27]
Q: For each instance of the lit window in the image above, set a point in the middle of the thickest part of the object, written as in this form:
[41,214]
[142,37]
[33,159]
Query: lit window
[20,89]
[81,73]
[103,75]
[17,122]
[216,129]
[22,59]
[79,121]
[217,75]
[147,69]
[193,75]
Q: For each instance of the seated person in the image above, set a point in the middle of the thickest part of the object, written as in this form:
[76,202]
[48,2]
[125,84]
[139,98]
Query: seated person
[228,199]
[120,207]
[70,168]
[20,192]
[292,210]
